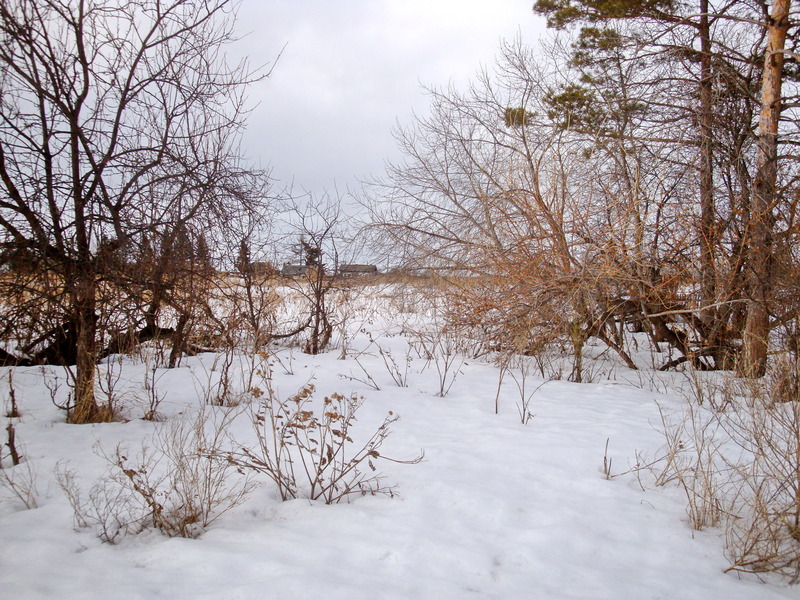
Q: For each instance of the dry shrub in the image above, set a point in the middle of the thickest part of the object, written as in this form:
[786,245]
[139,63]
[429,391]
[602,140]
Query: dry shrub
[311,454]
[693,460]
[177,483]
[763,533]
[516,319]
[18,477]
[254,301]
[445,349]
[399,372]
[17,473]
[225,382]
[738,460]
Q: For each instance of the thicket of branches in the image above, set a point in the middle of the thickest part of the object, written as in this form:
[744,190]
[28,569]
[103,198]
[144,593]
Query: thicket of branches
[624,177]
[637,174]
[119,162]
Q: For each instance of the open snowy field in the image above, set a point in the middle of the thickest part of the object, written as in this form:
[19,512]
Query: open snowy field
[497,508]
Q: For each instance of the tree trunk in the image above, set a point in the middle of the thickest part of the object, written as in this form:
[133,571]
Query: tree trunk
[86,409]
[708,235]
[753,361]
[712,326]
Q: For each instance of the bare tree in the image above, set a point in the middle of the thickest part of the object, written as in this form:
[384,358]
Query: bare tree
[559,214]
[509,211]
[115,119]
[606,186]
[319,234]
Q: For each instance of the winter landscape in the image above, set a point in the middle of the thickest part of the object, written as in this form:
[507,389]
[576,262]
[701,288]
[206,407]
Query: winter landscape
[520,493]
[550,349]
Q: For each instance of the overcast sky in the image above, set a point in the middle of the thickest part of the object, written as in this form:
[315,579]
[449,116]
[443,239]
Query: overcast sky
[351,69]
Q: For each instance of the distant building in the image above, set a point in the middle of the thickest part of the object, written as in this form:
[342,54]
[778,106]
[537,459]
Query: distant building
[405,272]
[263,269]
[292,271]
[357,270]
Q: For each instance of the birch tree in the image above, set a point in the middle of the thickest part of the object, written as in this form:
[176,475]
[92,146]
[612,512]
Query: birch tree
[757,327]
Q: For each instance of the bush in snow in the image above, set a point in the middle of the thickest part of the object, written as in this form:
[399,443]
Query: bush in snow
[17,474]
[763,533]
[177,483]
[738,459]
[311,454]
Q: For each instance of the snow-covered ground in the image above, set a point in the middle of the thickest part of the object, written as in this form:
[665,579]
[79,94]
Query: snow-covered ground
[497,508]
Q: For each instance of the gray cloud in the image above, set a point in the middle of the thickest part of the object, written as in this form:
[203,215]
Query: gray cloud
[351,69]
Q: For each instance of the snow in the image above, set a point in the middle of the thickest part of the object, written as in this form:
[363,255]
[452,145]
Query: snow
[497,508]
